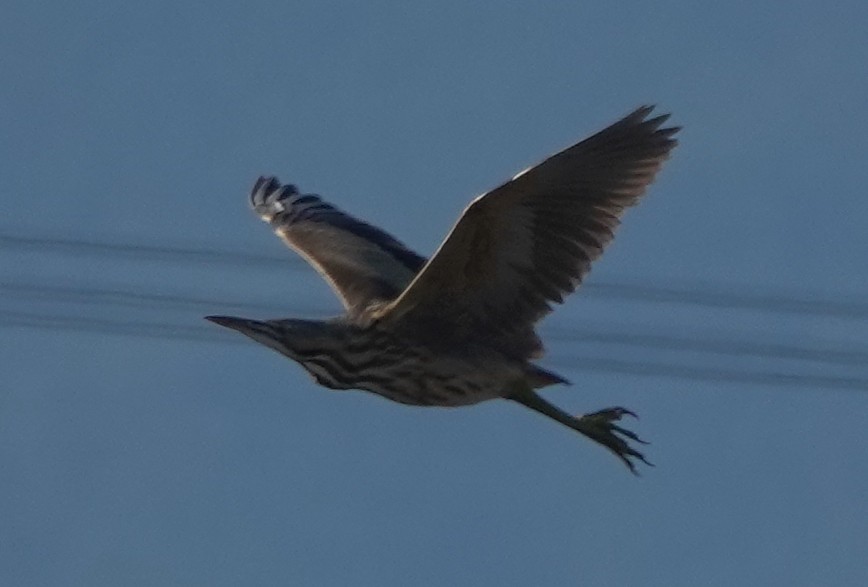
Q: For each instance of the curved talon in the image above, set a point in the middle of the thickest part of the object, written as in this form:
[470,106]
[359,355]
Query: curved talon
[629,434]
[613,413]
[600,426]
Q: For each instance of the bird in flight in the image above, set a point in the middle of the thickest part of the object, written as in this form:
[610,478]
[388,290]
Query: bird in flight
[458,328]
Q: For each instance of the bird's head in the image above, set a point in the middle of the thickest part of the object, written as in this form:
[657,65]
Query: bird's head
[296,339]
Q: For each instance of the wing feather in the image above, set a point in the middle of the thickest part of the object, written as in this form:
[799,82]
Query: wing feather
[530,242]
[362,263]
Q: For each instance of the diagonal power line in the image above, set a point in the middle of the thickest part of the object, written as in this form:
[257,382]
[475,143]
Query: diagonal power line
[176,254]
[194,333]
[31,292]
[699,296]
[102,297]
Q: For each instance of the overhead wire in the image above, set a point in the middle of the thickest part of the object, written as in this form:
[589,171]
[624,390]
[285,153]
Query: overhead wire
[190,333]
[31,292]
[123,297]
[774,303]
[137,329]
[695,295]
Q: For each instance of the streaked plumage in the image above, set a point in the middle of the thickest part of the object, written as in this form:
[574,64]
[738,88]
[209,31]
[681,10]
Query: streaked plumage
[459,328]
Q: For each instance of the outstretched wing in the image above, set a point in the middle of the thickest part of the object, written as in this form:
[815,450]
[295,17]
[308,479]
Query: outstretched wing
[362,263]
[528,243]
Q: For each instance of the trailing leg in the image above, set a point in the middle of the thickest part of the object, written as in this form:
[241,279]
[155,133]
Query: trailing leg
[598,426]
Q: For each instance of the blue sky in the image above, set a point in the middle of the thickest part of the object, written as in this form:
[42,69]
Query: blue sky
[162,460]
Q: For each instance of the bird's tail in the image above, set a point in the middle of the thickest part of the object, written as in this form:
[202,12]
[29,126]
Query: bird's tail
[539,377]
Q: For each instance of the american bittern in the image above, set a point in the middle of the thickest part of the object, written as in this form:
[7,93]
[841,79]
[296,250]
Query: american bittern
[458,329]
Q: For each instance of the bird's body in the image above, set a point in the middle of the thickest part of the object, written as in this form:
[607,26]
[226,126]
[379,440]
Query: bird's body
[458,329]
[406,369]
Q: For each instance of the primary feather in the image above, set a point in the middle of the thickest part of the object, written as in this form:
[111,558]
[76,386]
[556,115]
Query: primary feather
[531,241]
[362,263]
